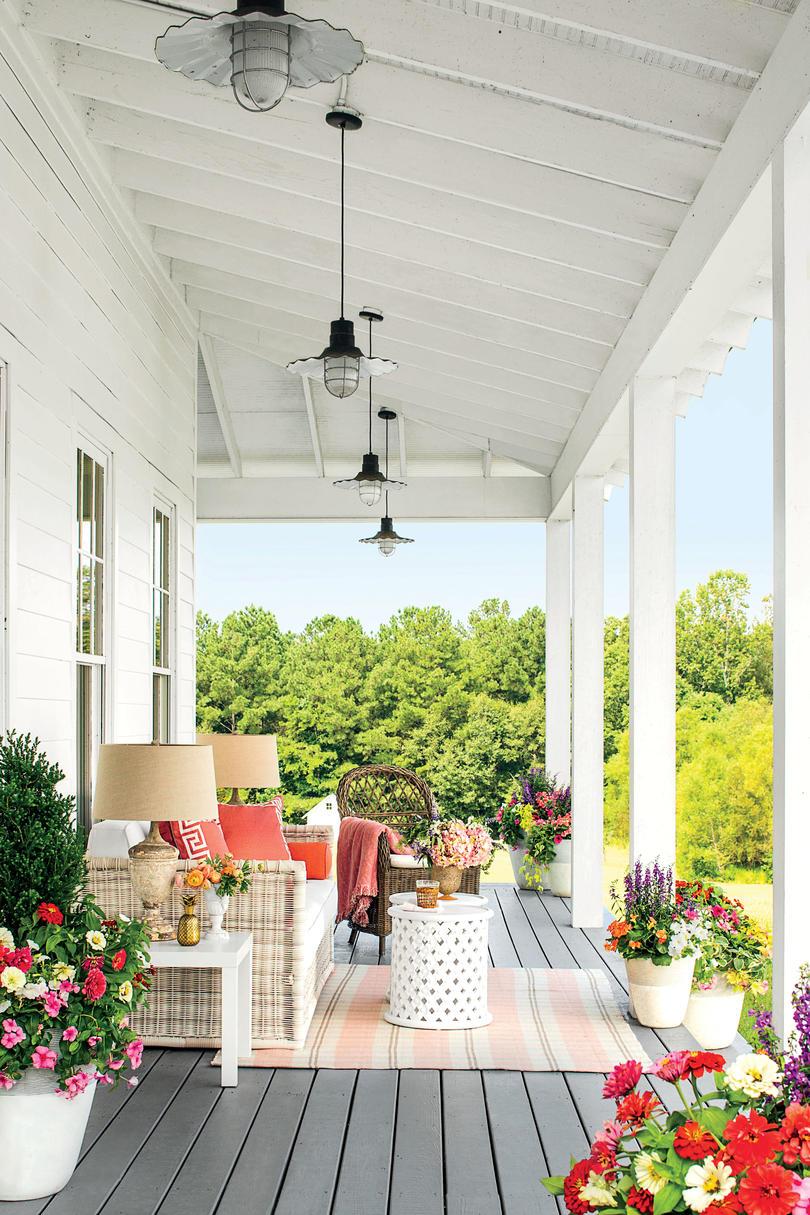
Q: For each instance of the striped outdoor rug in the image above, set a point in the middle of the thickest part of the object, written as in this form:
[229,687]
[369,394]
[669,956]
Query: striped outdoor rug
[543,1021]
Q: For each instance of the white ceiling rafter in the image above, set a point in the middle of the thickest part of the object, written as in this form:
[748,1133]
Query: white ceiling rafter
[209,358]
[312,422]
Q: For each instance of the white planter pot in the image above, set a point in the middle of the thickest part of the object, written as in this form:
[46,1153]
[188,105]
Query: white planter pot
[713,1016]
[559,871]
[517,857]
[41,1136]
[659,994]
[216,905]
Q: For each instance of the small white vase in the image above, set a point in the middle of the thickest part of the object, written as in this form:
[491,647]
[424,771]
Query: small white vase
[713,1016]
[41,1134]
[659,994]
[216,905]
[559,871]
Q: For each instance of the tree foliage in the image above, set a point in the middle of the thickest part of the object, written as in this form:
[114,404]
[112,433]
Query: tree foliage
[41,852]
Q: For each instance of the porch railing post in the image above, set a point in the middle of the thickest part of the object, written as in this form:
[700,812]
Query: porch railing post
[652,620]
[558,649]
[791,605]
[587,684]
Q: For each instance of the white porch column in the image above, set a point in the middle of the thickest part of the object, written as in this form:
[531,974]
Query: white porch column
[652,620]
[558,649]
[587,684]
[791,560]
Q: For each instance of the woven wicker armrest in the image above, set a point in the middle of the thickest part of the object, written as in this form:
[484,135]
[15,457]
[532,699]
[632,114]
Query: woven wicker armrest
[308,833]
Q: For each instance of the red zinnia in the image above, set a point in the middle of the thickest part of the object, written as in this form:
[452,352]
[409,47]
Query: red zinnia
[119,960]
[699,1062]
[49,913]
[796,1135]
[692,1142]
[576,1180]
[21,958]
[95,984]
[637,1108]
[640,1200]
[768,1189]
[623,1079]
[93,962]
[751,1140]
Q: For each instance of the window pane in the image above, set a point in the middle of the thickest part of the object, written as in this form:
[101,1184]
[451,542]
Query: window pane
[98,608]
[89,734]
[98,510]
[86,516]
[158,646]
[85,605]
[156,549]
[160,708]
[164,630]
[164,573]
[79,498]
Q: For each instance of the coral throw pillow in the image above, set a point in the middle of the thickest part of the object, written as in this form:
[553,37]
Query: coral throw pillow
[316,855]
[195,841]
[253,833]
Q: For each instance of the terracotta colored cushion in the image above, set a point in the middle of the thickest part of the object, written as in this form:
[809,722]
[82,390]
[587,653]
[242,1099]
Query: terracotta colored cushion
[316,855]
[253,833]
[195,841]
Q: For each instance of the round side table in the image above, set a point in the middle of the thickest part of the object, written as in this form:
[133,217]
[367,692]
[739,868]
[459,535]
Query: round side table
[460,899]
[439,964]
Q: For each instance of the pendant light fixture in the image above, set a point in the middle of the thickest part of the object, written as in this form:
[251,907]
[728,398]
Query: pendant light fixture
[259,50]
[386,538]
[369,481]
[342,364]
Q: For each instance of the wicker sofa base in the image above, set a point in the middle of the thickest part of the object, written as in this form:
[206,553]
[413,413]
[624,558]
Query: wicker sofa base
[289,970]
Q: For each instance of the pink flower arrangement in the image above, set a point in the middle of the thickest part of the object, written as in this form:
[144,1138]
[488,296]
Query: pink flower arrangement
[44,1058]
[452,842]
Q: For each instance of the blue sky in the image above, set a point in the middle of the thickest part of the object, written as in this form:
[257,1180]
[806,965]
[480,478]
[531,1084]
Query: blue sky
[723,517]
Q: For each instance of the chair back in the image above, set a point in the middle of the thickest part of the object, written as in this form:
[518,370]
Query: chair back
[385,794]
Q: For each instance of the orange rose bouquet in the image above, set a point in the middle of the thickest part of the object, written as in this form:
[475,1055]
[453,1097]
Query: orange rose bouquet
[220,873]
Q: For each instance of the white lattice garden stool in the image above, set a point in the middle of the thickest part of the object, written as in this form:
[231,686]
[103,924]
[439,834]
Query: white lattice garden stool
[439,963]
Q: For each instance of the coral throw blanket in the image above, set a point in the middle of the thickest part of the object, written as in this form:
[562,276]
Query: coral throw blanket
[358,843]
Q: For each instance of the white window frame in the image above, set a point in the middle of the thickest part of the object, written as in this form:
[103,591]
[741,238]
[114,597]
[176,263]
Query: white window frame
[169,672]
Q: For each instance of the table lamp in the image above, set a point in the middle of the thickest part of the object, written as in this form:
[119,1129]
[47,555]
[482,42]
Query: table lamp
[243,761]
[155,782]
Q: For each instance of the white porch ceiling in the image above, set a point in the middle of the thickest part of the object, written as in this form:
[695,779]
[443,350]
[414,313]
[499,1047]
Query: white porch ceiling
[522,173]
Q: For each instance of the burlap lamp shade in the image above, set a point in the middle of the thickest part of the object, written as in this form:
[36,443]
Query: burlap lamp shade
[148,781]
[243,761]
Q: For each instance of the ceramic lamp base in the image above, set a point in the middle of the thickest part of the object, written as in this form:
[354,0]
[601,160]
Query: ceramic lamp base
[153,864]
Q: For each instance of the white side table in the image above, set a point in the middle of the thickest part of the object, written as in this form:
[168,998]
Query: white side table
[439,964]
[459,899]
[234,957]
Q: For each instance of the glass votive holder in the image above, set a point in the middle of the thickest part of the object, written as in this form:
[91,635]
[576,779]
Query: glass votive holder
[427,894]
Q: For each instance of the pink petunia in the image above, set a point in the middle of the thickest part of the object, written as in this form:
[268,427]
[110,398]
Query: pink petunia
[44,1058]
[134,1052]
[76,1084]
[52,1004]
[93,1040]
[6,1081]
[802,1185]
[70,1034]
[12,1034]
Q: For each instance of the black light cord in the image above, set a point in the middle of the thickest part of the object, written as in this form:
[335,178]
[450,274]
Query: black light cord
[342,215]
[370,397]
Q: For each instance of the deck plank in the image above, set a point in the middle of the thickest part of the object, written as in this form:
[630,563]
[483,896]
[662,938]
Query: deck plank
[501,949]
[529,950]
[417,1175]
[470,1180]
[198,1186]
[366,1166]
[255,1183]
[309,1186]
[519,1158]
[557,1120]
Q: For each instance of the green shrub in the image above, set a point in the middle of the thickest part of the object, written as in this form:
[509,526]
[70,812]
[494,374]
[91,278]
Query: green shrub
[41,851]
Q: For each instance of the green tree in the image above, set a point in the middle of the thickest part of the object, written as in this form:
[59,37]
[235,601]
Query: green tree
[713,638]
[505,656]
[617,680]
[239,666]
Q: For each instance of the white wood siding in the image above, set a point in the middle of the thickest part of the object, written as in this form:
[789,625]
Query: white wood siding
[98,347]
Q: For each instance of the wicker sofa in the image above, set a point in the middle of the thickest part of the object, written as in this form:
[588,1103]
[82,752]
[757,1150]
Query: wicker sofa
[292,922]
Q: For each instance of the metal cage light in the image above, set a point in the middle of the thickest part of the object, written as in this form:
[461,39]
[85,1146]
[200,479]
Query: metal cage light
[369,481]
[386,538]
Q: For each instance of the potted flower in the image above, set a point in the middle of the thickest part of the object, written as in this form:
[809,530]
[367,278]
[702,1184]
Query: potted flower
[659,939]
[535,824]
[738,1144]
[732,961]
[219,878]
[452,846]
[68,985]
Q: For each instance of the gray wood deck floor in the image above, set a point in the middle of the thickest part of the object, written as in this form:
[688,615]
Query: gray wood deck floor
[347,1142]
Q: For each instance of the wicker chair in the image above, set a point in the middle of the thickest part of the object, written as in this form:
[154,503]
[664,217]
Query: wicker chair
[395,797]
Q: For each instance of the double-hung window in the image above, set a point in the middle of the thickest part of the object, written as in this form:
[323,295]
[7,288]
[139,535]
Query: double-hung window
[162,609]
[91,540]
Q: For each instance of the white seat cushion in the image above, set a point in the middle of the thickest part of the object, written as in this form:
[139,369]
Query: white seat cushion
[407,862]
[115,837]
[320,909]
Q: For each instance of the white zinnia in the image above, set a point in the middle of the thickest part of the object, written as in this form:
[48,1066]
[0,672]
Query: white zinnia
[706,1183]
[754,1075]
[597,1192]
[647,1174]
[12,978]
[34,991]
[95,939]
[125,991]
[6,938]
